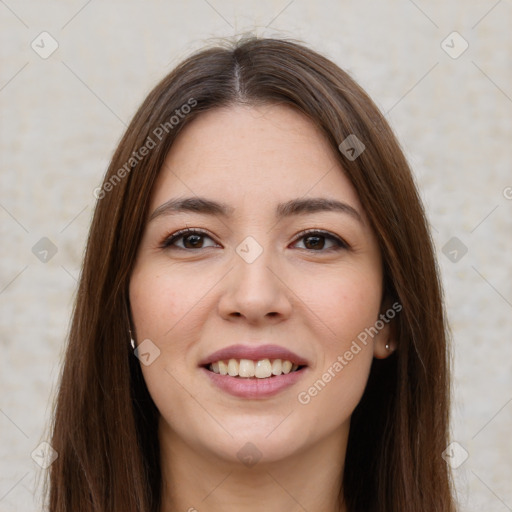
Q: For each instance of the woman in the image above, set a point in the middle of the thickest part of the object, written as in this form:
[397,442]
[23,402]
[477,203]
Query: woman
[259,321]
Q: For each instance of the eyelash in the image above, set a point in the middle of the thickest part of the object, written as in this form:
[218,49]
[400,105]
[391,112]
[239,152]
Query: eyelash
[168,241]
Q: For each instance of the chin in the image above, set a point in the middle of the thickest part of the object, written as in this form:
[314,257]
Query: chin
[256,440]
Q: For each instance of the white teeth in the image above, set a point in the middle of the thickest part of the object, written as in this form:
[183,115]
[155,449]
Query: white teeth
[276,367]
[223,368]
[233,367]
[262,369]
[246,368]
[287,367]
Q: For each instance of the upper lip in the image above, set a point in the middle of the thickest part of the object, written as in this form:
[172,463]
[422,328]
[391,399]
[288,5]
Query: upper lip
[254,353]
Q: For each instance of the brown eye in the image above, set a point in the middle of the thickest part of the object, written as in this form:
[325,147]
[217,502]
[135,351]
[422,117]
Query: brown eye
[314,242]
[187,239]
[193,241]
[317,241]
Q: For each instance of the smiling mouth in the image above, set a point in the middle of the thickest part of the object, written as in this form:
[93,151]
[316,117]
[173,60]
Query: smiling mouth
[249,369]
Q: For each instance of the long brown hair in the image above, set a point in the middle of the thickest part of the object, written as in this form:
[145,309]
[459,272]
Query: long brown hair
[105,422]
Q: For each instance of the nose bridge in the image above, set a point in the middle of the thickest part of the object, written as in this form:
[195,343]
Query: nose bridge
[253,261]
[254,290]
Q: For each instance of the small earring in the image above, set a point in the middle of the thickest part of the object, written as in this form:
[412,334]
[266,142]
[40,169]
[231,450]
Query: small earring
[387,346]
[132,341]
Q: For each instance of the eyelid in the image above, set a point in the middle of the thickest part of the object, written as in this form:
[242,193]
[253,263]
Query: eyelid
[170,239]
[341,243]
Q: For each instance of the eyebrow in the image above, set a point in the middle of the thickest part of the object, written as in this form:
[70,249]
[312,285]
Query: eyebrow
[300,206]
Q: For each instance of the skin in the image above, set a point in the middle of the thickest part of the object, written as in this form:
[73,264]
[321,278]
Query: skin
[298,293]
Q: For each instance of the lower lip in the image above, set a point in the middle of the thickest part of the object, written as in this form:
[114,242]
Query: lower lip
[253,387]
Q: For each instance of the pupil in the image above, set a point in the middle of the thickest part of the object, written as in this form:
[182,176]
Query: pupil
[317,242]
[195,240]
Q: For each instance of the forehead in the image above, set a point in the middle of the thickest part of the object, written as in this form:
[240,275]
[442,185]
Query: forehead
[264,154]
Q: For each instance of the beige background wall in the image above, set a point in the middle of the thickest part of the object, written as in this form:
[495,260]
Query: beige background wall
[62,116]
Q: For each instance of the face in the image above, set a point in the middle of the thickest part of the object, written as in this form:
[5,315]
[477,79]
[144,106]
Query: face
[277,262]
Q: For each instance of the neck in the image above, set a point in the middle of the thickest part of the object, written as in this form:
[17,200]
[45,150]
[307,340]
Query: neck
[196,481]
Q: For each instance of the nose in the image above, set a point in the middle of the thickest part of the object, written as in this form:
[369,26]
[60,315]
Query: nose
[255,292]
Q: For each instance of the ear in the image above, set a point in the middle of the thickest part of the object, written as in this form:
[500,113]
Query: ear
[384,342]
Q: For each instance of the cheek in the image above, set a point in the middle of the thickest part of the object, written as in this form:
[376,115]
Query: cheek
[336,384]
[159,301]
[166,309]
[345,301]
[335,390]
